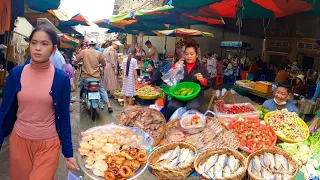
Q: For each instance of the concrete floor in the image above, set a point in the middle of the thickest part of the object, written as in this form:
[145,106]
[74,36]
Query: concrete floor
[81,121]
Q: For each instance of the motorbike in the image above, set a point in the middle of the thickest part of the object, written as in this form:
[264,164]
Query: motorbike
[91,96]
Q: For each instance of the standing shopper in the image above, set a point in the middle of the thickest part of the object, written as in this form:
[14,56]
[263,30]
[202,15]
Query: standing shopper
[130,76]
[110,80]
[35,110]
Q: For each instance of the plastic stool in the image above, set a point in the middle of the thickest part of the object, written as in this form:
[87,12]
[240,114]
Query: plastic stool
[263,77]
[219,80]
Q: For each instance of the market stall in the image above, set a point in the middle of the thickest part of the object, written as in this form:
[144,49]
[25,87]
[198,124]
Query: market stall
[261,88]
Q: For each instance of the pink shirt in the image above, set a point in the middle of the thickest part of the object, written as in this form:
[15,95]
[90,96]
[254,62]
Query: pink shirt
[36,115]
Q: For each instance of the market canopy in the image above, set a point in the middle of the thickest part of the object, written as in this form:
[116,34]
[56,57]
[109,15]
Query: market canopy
[182,32]
[42,5]
[245,8]
[68,42]
[171,15]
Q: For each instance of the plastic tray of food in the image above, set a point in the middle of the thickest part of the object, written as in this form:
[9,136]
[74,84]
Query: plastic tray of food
[227,117]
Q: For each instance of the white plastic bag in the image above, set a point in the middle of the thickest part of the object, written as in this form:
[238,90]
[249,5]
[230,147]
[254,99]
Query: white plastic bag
[178,113]
[193,122]
[174,76]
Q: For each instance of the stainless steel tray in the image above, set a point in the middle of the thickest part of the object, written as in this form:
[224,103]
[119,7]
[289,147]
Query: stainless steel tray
[89,172]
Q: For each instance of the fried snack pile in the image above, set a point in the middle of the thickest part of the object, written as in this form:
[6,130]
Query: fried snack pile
[112,153]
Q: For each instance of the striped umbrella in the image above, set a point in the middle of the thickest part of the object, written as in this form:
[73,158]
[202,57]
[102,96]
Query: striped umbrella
[245,8]
[182,32]
[68,42]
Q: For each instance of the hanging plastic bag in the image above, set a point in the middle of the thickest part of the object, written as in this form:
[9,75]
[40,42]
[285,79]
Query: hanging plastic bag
[174,76]
[178,113]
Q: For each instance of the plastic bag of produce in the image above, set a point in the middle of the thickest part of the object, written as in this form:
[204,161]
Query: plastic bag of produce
[174,76]
[178,113]
[193,122]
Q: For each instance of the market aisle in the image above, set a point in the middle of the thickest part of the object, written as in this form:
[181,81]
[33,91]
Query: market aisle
[61,172]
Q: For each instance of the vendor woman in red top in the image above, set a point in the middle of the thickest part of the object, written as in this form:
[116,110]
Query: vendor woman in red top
[196,72]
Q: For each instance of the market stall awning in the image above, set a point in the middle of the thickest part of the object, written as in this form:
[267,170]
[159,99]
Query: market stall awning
[182,32]
[245,8]
[70,20]
[68,42]
[171,15]
[42,5]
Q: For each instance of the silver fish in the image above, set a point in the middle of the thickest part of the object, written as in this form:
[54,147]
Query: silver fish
[266,174]
[184,155]
[278,177]
[231,163]
[284,163]
[237,166]
[262,161]
[218,172]
[291,168]
[211,161]
[272,161]
[201,168]
[164,156]
[173,163]
[239,170]
[266,160]
[211,172]
[190,157]
[174,154]
[278,160]
[256,163]
[222,160]
[226,171]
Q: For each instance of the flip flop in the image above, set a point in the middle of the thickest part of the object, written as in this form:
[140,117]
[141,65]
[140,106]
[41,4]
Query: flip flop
[110,110]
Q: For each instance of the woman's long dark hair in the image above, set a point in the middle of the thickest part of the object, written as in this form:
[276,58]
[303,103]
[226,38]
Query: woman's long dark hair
[132,51]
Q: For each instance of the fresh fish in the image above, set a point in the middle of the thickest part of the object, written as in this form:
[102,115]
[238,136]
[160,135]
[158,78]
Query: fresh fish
[262,161]
[266,174]
[291,168]
[211,172]
[239,170]
[284,163]
[164,156]
[266,160]
[278,160]
[201,168]
[231,163]
[278,177]
[173,163]
[218,172]
[184,155]
[174,154]
[256,163]
[190,157]
[237,166]
[272,161]
[252,169]
[211,161]
[222,160]
[226,171]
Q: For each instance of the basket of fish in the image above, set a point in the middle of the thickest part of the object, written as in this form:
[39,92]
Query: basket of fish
[271,163]
[172,161]
[220,164]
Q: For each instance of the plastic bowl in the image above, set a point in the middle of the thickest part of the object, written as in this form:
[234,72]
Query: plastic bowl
[246,149]
[286,139]
[191,85]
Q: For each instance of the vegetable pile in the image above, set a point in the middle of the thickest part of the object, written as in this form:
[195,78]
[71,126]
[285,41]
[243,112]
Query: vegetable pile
[287,124]
[262,111]
[253,134]
[184,92]
[233,109]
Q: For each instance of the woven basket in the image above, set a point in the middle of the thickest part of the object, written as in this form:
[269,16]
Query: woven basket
[209,152]
[176,173]
[272,151]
